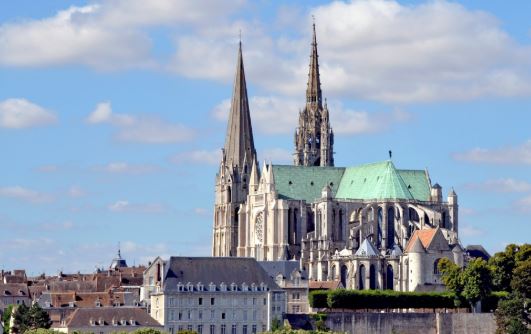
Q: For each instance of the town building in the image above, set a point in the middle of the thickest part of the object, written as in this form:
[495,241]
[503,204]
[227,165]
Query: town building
[107,320]
[290,278]
[346,224]
[217,296]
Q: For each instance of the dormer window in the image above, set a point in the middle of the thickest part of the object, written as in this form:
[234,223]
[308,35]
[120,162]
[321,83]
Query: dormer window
[263,286]
[223,286]
[244,286]
[132,322]
[253,287]
[98,303]
[47,304]
[233,286]
[211,287]
[91,322]
[200,286]
[101,322]
[123,322]
[190,286]
[114,322]
[179,287]
[71,304]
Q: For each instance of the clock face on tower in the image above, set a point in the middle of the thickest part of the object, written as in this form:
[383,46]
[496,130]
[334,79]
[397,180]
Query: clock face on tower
[259,228]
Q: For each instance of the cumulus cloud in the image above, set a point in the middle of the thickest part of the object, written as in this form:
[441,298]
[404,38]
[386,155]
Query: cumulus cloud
[209,157]
[501,185]
[25,194]
[126,206]
[147,130]
[379,50]
[276,115]
[21,113]
[105,34]
[508,155]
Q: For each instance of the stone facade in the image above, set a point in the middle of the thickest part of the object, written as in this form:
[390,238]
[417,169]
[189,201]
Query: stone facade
[217,296]
[352,224]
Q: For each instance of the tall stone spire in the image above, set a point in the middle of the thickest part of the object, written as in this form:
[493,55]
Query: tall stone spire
[314,138]
[239,142]
[313,90]
[233,178]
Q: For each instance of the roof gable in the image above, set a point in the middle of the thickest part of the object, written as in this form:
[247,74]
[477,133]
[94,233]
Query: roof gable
[367,249]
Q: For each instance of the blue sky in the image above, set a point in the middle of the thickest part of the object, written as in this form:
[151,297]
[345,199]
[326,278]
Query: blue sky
[112,113]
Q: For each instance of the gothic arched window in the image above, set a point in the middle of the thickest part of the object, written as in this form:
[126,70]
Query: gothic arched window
[390,227]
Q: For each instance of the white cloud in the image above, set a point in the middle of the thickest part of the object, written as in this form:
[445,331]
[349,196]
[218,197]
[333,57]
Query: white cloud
[509,155]
[126,206]
[379,50]
[25,194]
[501,185]
[126,168]
[106,34]
[276,115]
[524,204]
[147,130]
[212,157]
[76,192]
[21,113]
[470,231]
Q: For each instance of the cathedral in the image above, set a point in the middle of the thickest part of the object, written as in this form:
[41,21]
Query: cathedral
[372,226]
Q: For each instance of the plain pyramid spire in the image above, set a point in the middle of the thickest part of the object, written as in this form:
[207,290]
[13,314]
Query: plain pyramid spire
[239,142]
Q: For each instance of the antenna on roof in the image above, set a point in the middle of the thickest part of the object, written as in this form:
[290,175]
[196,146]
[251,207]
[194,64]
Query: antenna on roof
[390,154]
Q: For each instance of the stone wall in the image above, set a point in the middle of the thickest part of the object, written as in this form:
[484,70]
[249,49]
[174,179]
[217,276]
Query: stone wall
[411,323]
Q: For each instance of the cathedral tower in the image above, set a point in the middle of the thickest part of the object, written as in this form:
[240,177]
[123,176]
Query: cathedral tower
[314,139]
[238,156]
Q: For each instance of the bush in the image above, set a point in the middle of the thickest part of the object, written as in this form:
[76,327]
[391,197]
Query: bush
[380,299]
[318,298]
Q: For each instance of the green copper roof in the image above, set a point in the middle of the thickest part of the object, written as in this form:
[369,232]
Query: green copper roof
[372,181]
[417,182]
[303,182]
[379,180]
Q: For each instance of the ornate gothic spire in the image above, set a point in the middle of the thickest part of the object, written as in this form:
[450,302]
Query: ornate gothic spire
[313,90]
[239,142]
[314,139]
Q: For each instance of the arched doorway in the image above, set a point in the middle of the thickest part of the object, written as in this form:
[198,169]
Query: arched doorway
[361,277]
[389,278]
[344,273]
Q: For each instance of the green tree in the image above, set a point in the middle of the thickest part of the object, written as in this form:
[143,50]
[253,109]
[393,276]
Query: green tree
[148,331]
[476,278]
[30,318]
[502,265]
[511,317]
[451,275]
[6,318]
[42,331]
[521,280]
[186,332]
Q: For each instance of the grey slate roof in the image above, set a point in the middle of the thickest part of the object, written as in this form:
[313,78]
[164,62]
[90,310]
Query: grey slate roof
[477,251]
[215,270]
[417,247]
[367,249]
[285,268]
[133,316]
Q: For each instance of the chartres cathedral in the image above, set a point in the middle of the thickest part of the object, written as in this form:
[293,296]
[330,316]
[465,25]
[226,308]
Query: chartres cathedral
[372,226]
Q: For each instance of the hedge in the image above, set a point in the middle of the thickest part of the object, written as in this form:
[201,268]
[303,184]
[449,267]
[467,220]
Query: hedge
[389,299]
